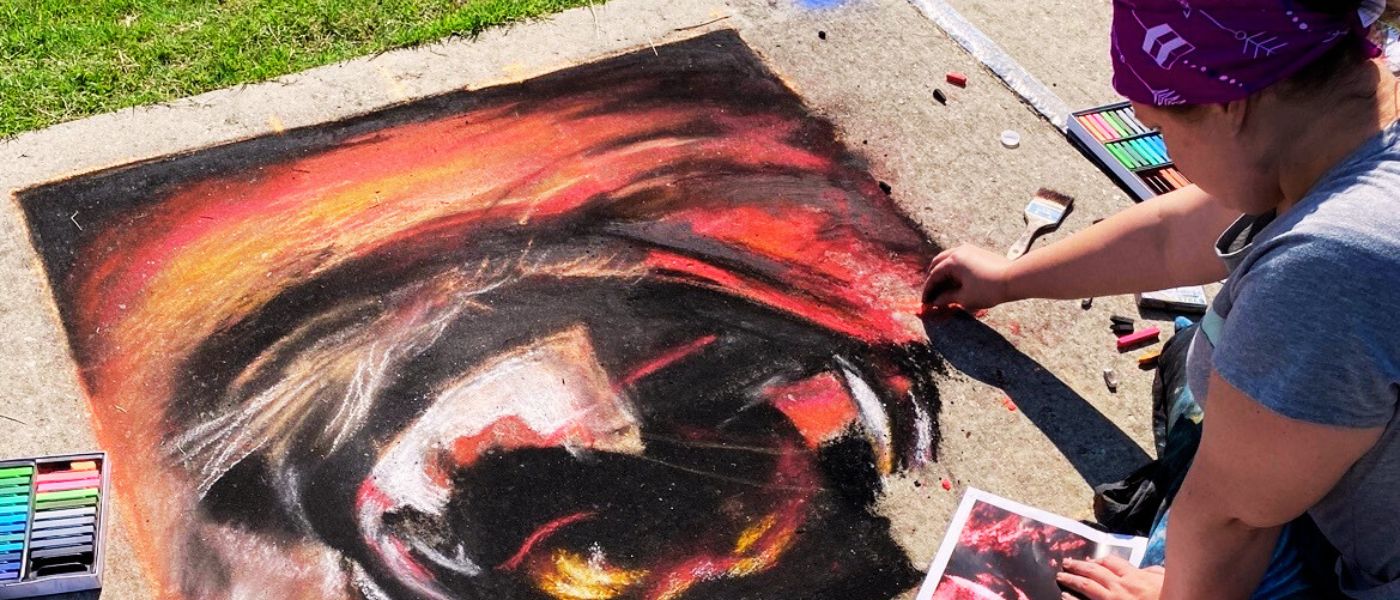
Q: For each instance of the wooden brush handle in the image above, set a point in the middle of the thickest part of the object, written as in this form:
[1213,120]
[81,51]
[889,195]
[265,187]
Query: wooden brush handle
[1023,243]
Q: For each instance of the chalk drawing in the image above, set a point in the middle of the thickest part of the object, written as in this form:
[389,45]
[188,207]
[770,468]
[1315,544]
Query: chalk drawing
[642,328]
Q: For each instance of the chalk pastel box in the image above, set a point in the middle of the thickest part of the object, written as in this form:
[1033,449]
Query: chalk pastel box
[53,513]
[1132,152]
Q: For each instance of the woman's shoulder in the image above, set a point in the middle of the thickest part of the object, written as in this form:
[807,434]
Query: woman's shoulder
[1353,218]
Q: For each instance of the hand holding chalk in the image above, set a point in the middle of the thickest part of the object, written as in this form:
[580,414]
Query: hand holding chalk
[968,276]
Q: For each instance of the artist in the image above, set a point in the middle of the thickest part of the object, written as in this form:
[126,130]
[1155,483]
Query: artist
[1283,115]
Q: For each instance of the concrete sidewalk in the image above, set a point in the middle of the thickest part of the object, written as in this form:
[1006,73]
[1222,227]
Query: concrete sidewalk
[872,75]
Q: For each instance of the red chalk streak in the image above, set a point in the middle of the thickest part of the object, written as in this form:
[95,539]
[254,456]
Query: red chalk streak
[819,406]
[669,358]
[510,432]
[540,535]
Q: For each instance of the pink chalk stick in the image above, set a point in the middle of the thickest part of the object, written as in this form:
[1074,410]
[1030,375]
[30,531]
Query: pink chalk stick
[74,484]
[1138,338]
[65,475]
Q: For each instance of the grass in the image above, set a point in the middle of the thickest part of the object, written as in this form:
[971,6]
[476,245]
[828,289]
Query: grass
[66,59]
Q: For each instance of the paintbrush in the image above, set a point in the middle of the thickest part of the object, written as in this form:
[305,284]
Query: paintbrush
[1045,213]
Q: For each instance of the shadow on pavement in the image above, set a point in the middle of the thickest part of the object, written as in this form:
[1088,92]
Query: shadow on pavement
[1097,448]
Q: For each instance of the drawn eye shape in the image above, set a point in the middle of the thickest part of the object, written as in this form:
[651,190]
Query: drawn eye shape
[539,434]
[640,329]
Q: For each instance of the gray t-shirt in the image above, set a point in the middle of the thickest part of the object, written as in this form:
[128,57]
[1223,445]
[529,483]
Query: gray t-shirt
[1309,326]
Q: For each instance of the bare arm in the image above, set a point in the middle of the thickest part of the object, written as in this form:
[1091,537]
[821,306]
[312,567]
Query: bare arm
[1255,471]
[1165,242]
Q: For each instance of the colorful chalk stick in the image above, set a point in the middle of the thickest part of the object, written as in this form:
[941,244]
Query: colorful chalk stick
[1133,340]
[61,523]
[70,503]
[15,472]
[66,495]
[41,534]
[64,514]
[65,476]
[72,484]
[1105,127]
[1118,125]
[83,465]
[15,499]
[55,552]
[1118,154]
[61,541]
[1088,125]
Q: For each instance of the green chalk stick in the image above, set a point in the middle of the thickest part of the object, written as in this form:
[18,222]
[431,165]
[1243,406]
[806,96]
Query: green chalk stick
[72,503]
[1123,129]
[7,500]
[1122,158]
[16,472]
[66,495]
[13,489]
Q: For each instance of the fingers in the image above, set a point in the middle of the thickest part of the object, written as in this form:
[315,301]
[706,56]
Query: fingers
[1090,569]
[1116,565]
[942,256]
[941,285]
[1088,578]
[1087,587]
[1155,569]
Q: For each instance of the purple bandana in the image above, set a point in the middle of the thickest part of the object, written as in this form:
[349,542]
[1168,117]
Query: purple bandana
[1168,52]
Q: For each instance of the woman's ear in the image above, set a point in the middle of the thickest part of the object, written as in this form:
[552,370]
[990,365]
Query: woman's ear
[1237,113]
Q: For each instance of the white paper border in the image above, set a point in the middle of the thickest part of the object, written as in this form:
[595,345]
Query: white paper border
[973,495]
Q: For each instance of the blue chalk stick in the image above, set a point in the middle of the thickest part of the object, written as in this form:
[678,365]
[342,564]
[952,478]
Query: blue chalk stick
[8,546]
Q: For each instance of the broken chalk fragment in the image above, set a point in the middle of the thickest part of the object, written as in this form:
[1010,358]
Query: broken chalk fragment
[940,97]
[1150,359]
[957,78]
[1110,379]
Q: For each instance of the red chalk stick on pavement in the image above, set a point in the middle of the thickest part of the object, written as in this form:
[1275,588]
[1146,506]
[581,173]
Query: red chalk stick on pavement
[1133,340]
[957,79]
